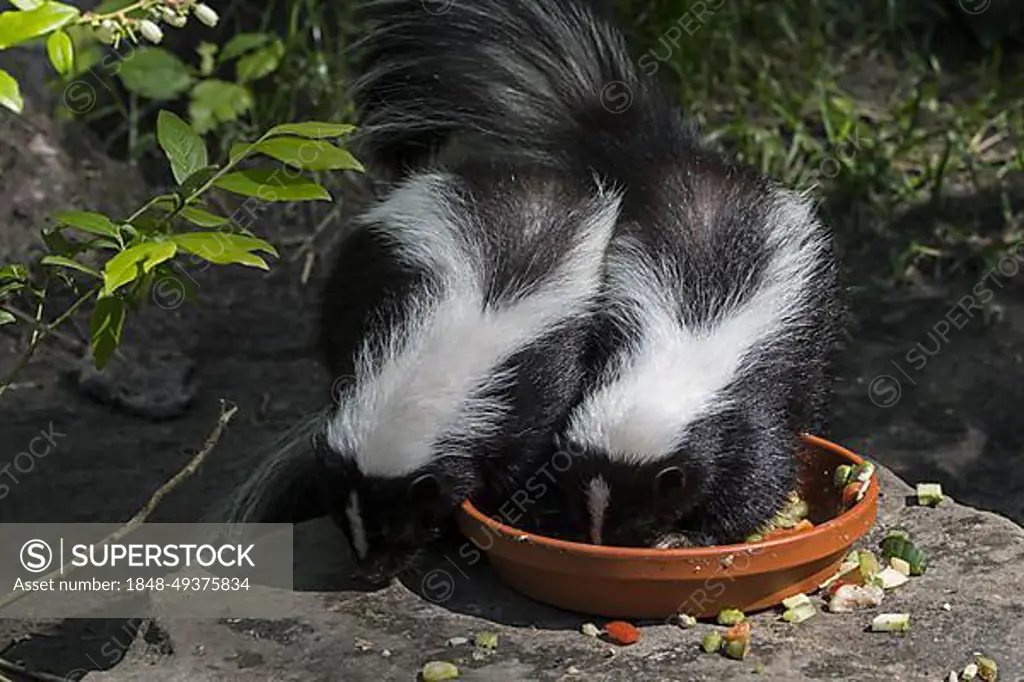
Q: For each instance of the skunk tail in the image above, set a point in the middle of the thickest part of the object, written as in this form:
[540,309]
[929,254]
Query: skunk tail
[542,81]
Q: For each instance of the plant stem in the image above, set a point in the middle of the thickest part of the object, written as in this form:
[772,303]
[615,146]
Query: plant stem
[41,336]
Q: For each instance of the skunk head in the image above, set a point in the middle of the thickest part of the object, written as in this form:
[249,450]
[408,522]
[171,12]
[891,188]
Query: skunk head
[387,520]
[625,501]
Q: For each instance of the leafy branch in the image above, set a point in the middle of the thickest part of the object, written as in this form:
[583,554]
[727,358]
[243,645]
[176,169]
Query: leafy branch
[143,246]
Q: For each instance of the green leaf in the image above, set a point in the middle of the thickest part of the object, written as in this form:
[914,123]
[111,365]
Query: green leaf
[196,180]
[223,248]
[13,272]
[315,130]
[242,43]
[10,288]
[213,102]
[261,63]
[68,263]
[27,5]
[305,154]
[10,93]
[123,268]
[198,216]
[155,74]
[61,52]
[20,26]
[6,318]
[88,221]
[105,325]
[184,148]
[272,184]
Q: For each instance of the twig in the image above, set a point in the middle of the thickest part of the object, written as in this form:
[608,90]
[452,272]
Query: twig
[15,669]
[42,327]
[141,516]
[48,329]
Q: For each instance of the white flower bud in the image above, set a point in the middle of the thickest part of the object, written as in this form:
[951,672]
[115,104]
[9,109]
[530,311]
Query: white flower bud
[151,31]
[205,14]
[106,32]
[173,18]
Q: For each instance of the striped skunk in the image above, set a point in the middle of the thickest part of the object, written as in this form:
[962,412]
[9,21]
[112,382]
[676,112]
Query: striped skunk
[719,304]
[453,323]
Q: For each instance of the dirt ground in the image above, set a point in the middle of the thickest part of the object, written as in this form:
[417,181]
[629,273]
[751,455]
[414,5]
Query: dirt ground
[249,341]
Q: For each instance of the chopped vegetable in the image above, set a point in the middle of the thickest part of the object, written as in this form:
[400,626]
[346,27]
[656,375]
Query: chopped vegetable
[736,649]
[487,640]
[864,472]
[929,494]
[796,600]
[842,475]
[891,622]
[891,578]
[868,564]
[457,641]
[590,630]
[953,677]
[799,613]
[685,621]
[730,617]
[852,493]
[753,537]
[711,642]
[852,577]
[899,565]
[987,668]
[727,560]
[622,633]
[799,527]
[758,668]
[852,597]
[845,568]
[899,545]
[435,671]
[970,672]
[738,631]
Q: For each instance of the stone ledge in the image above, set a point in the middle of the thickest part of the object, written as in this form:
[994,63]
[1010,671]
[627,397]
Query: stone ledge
[974,567]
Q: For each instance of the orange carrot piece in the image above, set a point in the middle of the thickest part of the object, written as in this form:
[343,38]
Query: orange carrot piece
[738,631]
[622,632]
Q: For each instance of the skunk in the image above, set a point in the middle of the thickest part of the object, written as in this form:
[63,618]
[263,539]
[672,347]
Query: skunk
[718,314]
[453,324]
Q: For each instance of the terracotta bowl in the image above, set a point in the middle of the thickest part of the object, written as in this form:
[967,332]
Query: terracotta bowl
[638,583]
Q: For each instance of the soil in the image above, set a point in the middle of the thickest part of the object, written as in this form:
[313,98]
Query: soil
[249,341]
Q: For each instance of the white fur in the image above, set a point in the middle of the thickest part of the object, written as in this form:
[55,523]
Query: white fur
[676,374]
[598,497]
[355,524]
[426,382]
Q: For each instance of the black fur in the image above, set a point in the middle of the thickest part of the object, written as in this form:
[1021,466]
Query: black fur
[544,83]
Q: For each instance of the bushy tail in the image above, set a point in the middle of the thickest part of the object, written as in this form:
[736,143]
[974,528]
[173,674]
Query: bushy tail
[283,487]
[544,79]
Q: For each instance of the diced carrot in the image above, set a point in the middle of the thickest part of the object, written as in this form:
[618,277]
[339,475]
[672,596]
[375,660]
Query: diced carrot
[622,632]
[738,631]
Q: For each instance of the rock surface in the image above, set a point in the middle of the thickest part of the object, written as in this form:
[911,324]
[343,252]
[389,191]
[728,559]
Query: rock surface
[388,634]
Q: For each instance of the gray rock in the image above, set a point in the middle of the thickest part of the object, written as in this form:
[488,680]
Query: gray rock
[155,384]
[971,599]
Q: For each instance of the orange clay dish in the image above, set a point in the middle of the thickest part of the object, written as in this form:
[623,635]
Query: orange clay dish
[836,500]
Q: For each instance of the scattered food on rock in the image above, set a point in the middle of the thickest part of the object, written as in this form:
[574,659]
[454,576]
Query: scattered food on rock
[987,668]
[436,671]
[684,621]
[622,633]
[363,645]
[970,672]
[590,630]
[853,597]
[898,544]
[929,494]
[891,622]
[711,642]
[457,641]
[487,640]
[890,578]
[738,631]
[730,617]
[900,565]
[736,649]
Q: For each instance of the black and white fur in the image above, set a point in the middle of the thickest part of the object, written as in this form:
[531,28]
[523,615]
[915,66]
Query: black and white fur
[454,321]
[719,307]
